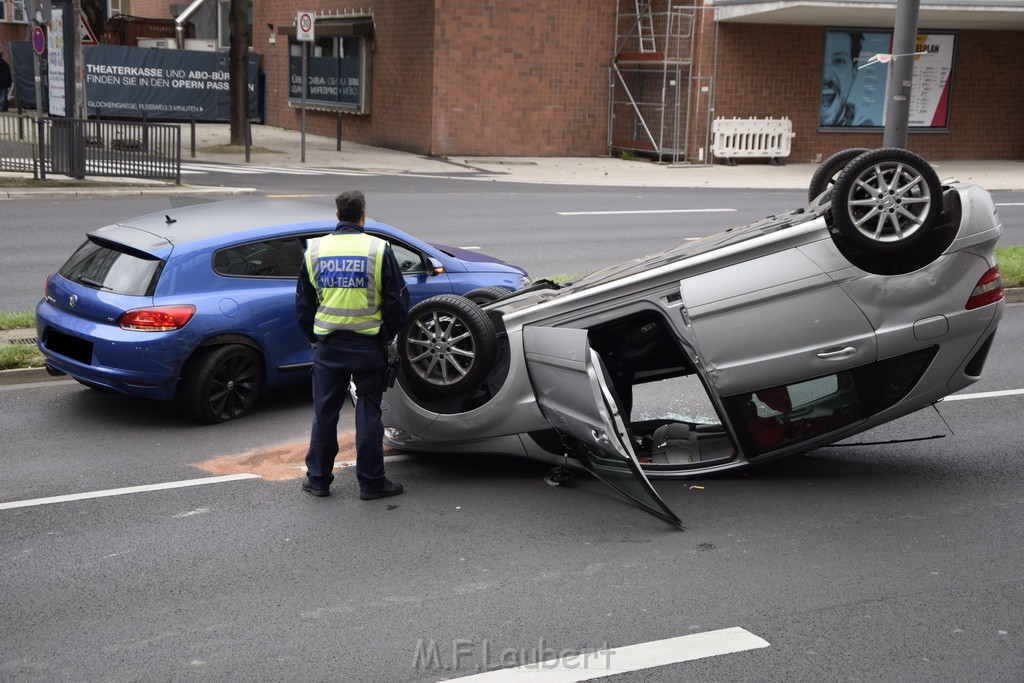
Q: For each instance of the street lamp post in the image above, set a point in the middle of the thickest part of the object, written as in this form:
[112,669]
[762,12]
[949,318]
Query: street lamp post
[901,73]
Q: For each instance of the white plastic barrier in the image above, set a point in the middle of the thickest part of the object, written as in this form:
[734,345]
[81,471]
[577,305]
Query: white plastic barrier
[734,138]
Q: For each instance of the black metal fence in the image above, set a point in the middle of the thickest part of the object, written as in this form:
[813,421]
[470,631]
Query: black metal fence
[19,144]
[90,147]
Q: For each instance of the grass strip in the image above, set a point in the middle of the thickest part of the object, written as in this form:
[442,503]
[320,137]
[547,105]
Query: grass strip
[17,321]
[13,356]
[1011,265]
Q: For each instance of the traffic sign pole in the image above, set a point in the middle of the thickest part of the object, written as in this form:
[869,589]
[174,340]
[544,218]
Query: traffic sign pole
[305,71]
[304,27]
[38,47]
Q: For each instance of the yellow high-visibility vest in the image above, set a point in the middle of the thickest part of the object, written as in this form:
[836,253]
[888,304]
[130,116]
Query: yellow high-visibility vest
[346,271]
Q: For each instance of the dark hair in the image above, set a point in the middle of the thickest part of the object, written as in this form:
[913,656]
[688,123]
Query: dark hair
[856,39]
[351,205]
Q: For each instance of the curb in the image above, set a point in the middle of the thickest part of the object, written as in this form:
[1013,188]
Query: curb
[27,376]
[119,191]
[1014,295]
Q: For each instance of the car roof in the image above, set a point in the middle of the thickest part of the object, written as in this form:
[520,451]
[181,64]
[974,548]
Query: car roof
[196,222]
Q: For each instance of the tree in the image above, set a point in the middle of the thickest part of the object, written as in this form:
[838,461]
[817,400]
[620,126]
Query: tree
[238,68]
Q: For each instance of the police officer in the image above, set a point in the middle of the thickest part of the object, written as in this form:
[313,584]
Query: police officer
[350,299]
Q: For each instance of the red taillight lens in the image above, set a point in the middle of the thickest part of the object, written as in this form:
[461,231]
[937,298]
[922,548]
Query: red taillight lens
[158,319]
[988,290]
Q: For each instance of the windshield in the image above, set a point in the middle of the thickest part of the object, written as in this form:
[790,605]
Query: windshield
[107,267]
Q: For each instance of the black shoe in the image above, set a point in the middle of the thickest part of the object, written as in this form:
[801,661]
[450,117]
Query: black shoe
[319,493]
[392,488]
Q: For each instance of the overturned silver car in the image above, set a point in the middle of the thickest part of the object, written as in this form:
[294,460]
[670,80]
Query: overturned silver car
[879,298]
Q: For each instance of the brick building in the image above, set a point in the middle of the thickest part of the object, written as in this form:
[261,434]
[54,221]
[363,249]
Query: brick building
[578,77]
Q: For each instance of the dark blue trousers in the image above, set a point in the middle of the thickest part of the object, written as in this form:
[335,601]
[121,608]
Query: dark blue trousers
[338,358]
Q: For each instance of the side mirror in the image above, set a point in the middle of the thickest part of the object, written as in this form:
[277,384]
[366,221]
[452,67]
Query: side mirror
[435,266]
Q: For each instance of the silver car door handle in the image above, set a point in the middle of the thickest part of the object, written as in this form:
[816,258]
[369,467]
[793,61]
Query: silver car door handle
[844,352]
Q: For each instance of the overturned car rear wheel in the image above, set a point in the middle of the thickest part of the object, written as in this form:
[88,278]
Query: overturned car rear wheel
[447,345]
[825,175]
[886,201]
[485,295]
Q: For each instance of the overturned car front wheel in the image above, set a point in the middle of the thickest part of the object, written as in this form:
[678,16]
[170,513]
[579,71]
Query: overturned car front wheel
[447,345]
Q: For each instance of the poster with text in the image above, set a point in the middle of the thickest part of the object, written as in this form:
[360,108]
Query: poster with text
[933,68]
[855,72]
[55,64]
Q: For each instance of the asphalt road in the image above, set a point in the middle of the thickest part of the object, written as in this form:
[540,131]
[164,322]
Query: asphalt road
[549,230]
[885,562]
[897,561]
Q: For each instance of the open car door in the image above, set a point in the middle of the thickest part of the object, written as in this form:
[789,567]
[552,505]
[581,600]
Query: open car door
[575,393]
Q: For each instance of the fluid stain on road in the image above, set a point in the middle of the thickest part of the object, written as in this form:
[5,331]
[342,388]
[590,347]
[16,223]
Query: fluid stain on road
[277,463]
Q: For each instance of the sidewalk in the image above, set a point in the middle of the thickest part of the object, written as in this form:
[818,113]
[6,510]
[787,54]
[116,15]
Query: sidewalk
[322,152]
[281,148]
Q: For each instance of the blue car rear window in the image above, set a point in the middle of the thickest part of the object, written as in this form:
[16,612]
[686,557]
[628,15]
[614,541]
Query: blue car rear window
[105,266]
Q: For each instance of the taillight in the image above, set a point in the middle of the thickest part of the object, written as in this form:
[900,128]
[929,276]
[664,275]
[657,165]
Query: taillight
[157,319]
[46,289]
[988,290]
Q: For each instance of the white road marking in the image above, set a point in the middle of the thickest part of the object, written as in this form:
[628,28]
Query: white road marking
[387,458]
[193,167]
[633,213]
[984,394]
[192,513]
[469,248]
[126,490]
[614,661]
[1011,204]
[342,464]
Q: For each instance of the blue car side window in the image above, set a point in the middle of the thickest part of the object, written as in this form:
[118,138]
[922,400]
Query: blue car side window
[266,258]
[410,262]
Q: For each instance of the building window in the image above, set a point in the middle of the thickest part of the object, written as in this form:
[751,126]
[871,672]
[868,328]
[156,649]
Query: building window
[224,23]
[855,71]
[336,73]
[115,7]
[3,10]
[18,13]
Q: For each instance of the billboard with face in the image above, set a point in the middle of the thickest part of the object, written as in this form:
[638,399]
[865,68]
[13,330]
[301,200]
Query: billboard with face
[855,70]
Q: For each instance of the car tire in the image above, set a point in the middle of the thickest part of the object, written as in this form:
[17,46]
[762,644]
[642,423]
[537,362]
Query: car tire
[825,175]
[221,383]
[886,201]
[486,295]
[447,345]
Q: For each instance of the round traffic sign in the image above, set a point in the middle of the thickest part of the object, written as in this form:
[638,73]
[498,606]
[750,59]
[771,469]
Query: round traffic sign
[305,22]
[38,40]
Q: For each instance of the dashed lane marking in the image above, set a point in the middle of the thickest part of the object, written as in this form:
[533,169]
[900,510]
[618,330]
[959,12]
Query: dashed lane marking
[984,394]
[614,661]
[123,491]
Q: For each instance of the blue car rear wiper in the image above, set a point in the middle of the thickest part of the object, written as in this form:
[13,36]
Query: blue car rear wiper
[92,283]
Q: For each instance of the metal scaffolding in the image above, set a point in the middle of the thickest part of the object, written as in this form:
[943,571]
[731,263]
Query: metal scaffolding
[657,101]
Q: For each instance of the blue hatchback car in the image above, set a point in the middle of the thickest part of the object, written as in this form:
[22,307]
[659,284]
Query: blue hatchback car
[197,303]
